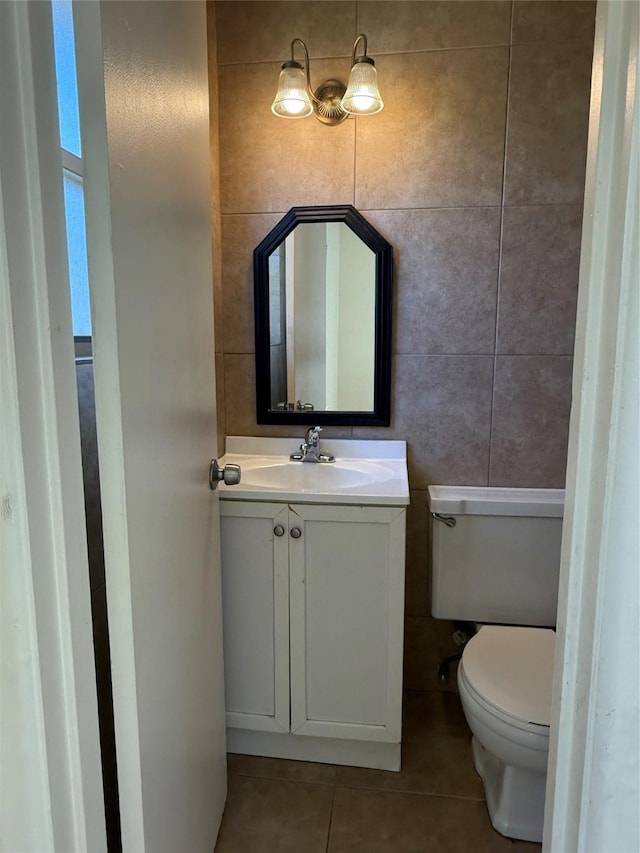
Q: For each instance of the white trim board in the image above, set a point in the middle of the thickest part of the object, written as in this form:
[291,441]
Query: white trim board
[49,747]
[355,753]
[593,778]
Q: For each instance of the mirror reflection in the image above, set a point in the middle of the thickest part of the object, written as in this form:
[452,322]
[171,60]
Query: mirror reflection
[322,303]
[323,279]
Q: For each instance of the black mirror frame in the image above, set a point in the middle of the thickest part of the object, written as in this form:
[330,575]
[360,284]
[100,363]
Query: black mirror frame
[381,414]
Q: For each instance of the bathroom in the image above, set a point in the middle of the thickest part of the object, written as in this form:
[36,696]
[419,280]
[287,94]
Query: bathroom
[487,200]
[486,243]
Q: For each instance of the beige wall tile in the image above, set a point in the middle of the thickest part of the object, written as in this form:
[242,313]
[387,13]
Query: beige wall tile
[259,31]
[532,400]
[416,587]
[539,279]
[271,164]
[441,406]
[240,399]
[553,20]
[427,642]
[216,272]
[547,125]
[220,403]
[439,142]
[399,26]
[240,235]
[445,278]
[213,106]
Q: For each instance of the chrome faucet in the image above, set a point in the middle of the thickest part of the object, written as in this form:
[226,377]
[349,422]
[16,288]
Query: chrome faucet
[310,448]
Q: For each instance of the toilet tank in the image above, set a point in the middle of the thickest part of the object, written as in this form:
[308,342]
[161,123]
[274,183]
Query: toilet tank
[496,557]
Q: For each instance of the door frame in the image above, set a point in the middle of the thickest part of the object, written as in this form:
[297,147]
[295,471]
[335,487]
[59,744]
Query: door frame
[45,577]
[49,743]
[593,776]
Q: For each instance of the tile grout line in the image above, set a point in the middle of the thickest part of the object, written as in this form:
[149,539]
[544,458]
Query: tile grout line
[405,791]
[333,800]
[246,775]
[499,277]
[434,208]
[414,51]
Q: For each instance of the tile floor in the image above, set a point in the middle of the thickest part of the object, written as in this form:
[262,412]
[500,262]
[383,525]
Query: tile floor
[433,805]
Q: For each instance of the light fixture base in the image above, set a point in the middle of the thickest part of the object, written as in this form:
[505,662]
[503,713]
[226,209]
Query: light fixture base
[326,102]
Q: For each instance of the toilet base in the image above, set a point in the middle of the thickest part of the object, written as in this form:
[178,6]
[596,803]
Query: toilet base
[515,795]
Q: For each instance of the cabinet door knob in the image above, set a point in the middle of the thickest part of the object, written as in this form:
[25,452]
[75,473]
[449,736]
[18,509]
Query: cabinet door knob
[296,533]
[278,530]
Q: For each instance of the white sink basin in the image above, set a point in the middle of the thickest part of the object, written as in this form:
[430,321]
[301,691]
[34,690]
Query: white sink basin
[365,472]
[316,477]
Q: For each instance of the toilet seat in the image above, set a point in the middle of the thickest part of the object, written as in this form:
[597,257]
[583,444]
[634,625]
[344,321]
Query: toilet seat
[509,672]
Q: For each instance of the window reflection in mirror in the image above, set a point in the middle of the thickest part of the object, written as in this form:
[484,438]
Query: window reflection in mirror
[322,292]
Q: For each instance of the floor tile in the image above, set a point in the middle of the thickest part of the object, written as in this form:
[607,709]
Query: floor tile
[436,753]
[280,768]
[386,822]
[274,816]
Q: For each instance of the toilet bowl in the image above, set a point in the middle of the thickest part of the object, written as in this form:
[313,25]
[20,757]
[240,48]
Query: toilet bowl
[505,679]
[496,559]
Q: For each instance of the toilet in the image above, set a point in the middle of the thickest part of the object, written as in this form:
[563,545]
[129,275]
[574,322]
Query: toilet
[496,561]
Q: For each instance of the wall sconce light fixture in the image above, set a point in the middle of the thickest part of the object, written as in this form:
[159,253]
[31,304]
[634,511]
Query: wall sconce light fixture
[332,102]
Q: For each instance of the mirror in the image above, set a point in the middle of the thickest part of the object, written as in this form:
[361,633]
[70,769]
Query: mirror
[323,281]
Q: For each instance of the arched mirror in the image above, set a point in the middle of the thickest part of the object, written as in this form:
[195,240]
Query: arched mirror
[323,281]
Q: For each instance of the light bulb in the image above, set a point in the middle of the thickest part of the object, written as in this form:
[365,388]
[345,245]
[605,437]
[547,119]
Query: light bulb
[362,96]
[293,105]
[363,103]
[292,99]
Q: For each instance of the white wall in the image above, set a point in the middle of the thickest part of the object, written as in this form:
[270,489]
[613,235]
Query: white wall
[356,336]
[310,254]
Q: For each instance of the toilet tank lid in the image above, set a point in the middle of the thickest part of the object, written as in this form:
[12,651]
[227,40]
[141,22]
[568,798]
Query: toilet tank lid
[512,669]
[474,500]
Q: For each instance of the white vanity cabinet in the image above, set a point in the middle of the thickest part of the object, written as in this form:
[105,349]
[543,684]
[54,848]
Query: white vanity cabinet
[313,602]
[255,605]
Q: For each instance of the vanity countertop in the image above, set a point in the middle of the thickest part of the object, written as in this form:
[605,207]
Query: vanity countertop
[364,473]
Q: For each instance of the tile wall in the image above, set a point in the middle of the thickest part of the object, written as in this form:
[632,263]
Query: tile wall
[474,172]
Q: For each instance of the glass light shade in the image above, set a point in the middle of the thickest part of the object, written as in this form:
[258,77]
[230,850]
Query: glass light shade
[362,96]
[292,99]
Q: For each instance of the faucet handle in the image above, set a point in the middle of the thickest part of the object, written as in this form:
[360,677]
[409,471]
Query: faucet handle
[313,435]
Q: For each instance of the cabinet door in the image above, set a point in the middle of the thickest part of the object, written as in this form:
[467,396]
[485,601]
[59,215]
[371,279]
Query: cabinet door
[346,613]
[255,597]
